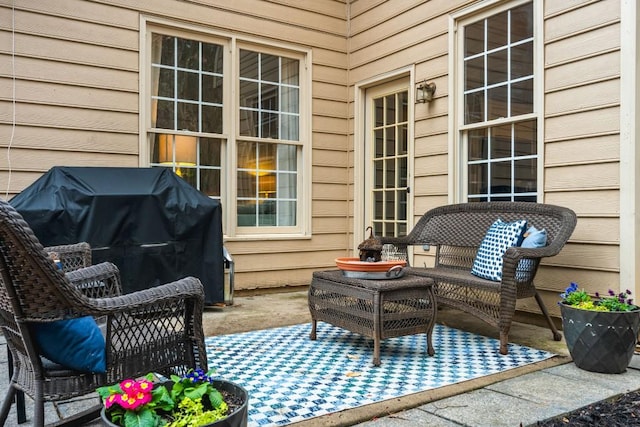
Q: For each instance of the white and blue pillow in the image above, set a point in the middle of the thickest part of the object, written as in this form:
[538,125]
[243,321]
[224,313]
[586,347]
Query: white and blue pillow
[500,236]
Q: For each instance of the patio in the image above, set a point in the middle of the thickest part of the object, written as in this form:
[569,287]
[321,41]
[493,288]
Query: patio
[251,313]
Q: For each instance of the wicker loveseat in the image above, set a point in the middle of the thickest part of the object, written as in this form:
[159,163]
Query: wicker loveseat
[457,231]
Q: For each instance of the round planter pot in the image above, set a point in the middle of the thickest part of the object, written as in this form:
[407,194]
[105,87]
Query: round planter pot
[600,341]
[238,418]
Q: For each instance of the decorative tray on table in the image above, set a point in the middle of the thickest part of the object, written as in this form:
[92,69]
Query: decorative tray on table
[379,270]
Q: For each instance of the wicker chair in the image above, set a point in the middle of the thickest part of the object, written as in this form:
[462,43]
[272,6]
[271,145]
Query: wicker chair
[154,330]
[456,231]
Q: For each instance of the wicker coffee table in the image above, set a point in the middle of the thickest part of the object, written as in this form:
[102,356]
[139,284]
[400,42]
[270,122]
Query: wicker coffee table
[378,309]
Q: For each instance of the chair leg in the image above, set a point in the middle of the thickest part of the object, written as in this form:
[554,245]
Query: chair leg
[38,405]
[19,394]
[556,335]
[6,404]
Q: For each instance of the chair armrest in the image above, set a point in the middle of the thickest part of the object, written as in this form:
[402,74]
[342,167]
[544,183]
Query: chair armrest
[97,281]
[73,256]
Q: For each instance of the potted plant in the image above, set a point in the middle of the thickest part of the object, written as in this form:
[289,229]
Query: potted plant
[601,334]
[195,399]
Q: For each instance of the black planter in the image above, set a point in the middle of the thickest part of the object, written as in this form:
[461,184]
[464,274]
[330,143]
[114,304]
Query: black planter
[600,341]
[238,418]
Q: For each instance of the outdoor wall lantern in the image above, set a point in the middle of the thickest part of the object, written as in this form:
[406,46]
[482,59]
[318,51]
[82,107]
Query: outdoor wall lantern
[425,92]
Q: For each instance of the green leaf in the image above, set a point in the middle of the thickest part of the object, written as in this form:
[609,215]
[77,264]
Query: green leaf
[144,418]
[194,393]
[215,398]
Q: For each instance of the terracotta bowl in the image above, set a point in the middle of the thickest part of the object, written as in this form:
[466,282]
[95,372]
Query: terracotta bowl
[354,264]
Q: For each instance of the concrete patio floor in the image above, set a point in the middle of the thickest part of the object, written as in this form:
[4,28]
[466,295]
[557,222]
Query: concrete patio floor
[254,312]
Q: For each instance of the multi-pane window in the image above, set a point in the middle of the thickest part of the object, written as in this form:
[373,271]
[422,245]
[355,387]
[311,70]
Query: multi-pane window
[390,156]
[187,108]
[269,117]
[500,128]
[188,128]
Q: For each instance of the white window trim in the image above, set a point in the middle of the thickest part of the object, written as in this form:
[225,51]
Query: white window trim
[457,159]
[232,44]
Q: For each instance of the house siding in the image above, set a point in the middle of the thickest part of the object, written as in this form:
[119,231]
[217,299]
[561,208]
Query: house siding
[77,101]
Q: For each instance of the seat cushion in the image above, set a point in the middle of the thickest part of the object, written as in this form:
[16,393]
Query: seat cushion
[75,344]
[499,237]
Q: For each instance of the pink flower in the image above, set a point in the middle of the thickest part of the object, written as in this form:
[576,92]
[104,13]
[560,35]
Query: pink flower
[111,400]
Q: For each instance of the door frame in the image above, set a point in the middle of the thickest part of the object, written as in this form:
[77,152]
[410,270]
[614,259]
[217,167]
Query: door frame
[359,134]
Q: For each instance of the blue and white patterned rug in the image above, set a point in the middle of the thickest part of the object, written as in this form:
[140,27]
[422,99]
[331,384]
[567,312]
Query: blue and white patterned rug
[291,378]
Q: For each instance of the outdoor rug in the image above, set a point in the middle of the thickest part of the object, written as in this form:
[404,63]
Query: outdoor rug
[291,378]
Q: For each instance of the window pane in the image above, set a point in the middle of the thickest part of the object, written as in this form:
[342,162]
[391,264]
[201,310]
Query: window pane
[188,86]
[478,145]
[165,115]
[474,107]
[287,160]
[402,140]
[390,111]
[401,214]
[378,106]
[286,213]
[248,94]
[474,73]
[287,186]
[522,23]
[390,172]
[501,141]
[378,173]
[403,101]
[290,71]
[248,64]
[390,204]
[246,184]
[378,204]
[290,99]
[269,128]
[210,151]
[497,31]
[378,142]
[290,126]
[270,68]
[526,175]
[497,102]
[402,172]
[212,89]
[211,119]
[247,213]
[188,54]
[522,60]
[390,141]
[210,182]
[248,123]
[497,64]
[166,83]
[525,138]
[269,97]
[212,58]
[500,177]
[163,48]
[478,178]
[522,97]
[474,38]
[187,116]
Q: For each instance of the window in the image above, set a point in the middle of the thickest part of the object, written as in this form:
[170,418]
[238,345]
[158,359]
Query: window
[499,129]
[246,151]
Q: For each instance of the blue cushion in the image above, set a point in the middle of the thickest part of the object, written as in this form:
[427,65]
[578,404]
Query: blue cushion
[533,238]
[500,236]
[76,344]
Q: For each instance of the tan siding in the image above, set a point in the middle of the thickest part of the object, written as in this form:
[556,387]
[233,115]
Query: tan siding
[583,150]
[592,176]
[592,203]
[583,124]
[583,71]
[588,96]
[576,20]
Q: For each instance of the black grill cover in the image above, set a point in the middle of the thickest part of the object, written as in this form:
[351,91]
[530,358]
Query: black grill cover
[149,222]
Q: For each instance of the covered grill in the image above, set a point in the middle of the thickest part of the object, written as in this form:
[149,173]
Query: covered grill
[149,222]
